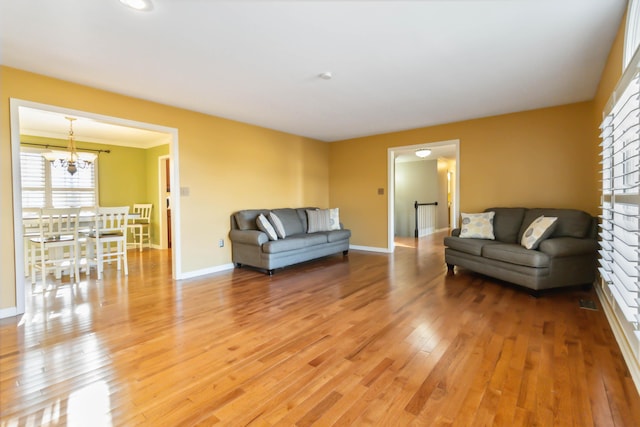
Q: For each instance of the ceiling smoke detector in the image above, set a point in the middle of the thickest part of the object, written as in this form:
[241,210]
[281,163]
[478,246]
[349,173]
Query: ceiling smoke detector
[326,76]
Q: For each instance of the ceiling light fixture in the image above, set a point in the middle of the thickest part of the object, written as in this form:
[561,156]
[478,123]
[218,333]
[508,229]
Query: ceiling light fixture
[70,160]
[326,76]
[142,5]
[423,152]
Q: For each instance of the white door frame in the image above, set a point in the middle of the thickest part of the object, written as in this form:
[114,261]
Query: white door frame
[163,242]
[15,104]
[391,176]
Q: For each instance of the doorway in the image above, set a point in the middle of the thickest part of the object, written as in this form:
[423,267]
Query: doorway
[15,113]
[444,158]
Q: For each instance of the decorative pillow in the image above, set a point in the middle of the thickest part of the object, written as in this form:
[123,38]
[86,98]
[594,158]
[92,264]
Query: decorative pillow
[318,220]
[263,224]
[540,229]
[277,224]
[334,219]
[477,226]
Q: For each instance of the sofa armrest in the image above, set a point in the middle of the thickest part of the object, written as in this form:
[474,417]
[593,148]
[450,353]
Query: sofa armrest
[251,237]
[455,232]
[568,246]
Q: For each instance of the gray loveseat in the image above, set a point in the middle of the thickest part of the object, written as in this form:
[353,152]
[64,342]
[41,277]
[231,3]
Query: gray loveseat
[253,247]
[567,257]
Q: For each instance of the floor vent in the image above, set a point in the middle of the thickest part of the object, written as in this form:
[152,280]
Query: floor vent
[588,304]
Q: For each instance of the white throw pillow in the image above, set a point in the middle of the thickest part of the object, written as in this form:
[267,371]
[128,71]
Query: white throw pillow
[277,224]
[318,220]
[538,230]
[477,225]
[334,219]
[264,225]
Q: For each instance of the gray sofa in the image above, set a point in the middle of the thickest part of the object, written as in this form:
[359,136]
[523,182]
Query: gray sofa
[252,247]
[567,257]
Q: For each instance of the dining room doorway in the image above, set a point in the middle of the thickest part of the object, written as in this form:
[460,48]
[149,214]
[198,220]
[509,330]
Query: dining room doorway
[22,123]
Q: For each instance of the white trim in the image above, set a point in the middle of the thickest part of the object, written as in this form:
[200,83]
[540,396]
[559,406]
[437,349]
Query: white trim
[632,32]
[15,105]
[162,202]
[205,271]
[625,348]
[371,249]
[8,312]
[391,176]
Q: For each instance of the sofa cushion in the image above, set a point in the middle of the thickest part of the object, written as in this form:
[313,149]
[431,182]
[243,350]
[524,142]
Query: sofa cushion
[290,220]
[264,225]
[514,253]
[246,219]
[294,242]
[538,230]
[477,225]
[469,246]
[506,223]
[337,235]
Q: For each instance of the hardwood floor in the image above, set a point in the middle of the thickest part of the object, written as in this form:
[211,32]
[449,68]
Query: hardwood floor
[375,339]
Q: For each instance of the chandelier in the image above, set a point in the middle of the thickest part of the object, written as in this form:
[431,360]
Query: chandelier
[70,159]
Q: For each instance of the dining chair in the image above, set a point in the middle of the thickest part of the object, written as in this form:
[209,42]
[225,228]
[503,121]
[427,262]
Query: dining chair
[140,226]
[107,241]
[56,245]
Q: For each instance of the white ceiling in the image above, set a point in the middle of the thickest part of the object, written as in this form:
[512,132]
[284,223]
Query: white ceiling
[52,124]
[396,64]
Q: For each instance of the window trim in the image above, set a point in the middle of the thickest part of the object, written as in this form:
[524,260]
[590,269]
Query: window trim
[632,33]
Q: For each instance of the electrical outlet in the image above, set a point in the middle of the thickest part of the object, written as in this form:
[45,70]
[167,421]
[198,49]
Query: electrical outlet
[221,243]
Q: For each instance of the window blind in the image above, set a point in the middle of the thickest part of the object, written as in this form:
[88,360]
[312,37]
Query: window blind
[44,185]
[620,217]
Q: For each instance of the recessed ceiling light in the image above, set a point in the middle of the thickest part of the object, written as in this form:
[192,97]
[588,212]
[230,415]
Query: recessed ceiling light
[143,5]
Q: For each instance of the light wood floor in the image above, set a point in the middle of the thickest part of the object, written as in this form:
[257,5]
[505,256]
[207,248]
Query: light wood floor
[377,339]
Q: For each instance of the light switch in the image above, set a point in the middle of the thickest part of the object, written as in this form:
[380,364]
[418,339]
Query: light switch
[381,191]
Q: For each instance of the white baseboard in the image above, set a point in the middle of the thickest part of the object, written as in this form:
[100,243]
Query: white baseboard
[627,352]
[205,271]
[370,249]
[8,312]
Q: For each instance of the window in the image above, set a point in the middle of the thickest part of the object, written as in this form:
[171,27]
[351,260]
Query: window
[632,33]
[45,185]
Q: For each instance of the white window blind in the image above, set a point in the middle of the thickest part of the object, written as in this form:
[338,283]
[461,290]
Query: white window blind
[620,219]
[44,185]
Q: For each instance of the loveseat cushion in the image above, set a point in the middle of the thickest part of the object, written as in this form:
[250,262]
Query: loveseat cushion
[507,223]
[294,242]
[571,222]
[469,246]
[514,253]
[290,220]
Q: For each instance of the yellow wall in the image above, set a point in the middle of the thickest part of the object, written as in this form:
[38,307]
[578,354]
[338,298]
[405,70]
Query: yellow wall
[225,165]
[535,158]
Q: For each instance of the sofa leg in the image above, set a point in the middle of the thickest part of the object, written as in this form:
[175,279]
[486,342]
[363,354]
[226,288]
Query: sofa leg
[270,272]
[238,265]
[345,253]
[450,268]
